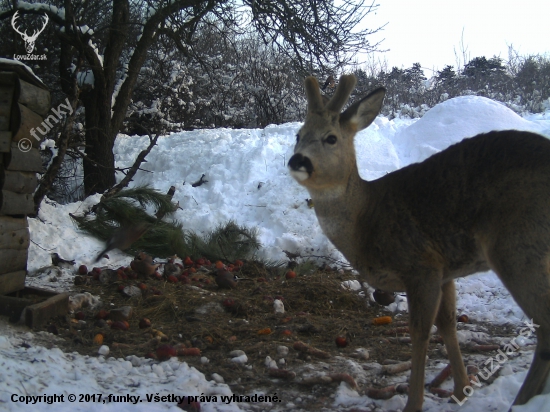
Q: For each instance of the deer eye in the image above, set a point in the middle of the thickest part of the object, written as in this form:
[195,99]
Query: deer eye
[331,139]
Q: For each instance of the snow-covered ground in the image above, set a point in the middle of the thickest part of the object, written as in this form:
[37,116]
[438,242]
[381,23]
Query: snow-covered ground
[248,182]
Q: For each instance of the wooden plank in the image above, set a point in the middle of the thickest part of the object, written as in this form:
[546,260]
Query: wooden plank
[16,203]
[17,239]
[5,141]
[38,314]
[6,103]
[13,306]
[23,161]
[12,260]
[25,124]
[19,182]
[35,98]
[12,282]
[10,224]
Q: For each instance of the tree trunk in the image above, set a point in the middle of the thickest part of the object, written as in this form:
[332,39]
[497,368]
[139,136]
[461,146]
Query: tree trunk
[99,163]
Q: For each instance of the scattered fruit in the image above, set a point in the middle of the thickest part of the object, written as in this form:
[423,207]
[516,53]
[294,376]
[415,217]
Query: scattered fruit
[120,325]
[189,404]
[98,339]
[172,279]
[264,331]
[144,323]
[165,352]
[82,270]
[383,320]
[290,274]
[341,342]
[159,334]
[102,314]
[383,298]
[189,352]
[463,318]
[228,302]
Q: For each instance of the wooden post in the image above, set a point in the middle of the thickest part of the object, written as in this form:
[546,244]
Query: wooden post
[15,203]
[24,101]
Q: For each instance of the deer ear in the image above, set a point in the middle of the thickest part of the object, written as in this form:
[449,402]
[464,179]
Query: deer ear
[313,93]
[361,114]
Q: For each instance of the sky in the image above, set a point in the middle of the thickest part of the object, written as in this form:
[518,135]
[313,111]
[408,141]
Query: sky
[429,31]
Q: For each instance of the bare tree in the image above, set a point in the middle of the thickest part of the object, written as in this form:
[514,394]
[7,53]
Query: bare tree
[114,38]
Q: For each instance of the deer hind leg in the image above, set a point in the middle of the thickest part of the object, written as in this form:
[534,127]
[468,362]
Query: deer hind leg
[423,297]
[446,325]
[528,280]
[539,370]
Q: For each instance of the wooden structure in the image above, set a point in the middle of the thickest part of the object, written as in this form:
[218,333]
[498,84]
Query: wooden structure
[24,102]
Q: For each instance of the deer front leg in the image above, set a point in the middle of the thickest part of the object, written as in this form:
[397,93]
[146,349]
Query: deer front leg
[446,325]
[423,297]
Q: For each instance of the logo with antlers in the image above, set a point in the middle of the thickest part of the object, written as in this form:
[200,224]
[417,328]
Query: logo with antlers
[29,40]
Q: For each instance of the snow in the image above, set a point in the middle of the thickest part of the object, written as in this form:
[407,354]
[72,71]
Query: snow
[248,181]
[4,61]
[23,5]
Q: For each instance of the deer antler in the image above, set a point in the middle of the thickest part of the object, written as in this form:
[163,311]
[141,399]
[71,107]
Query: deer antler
[13,19]
[37,32]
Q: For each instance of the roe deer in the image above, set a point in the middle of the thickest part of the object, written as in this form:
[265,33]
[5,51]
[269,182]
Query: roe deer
[481,204]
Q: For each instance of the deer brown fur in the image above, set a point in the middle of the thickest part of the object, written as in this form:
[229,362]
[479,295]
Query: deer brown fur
[481,204]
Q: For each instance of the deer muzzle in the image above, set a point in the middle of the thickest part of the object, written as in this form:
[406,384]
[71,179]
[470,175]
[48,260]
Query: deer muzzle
[300,167]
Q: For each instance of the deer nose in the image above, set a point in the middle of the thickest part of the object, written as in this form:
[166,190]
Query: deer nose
[300,163]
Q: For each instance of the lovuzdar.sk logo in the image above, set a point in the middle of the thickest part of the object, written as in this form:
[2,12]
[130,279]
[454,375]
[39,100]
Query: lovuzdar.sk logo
[29,40]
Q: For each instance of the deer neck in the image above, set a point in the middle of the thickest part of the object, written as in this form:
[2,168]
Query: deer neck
[338,210]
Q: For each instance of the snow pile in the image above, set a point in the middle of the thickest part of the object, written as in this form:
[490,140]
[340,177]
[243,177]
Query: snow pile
[39,371]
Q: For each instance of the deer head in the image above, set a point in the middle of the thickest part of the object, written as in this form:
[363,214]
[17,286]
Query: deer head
[324,155]
[29,40]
